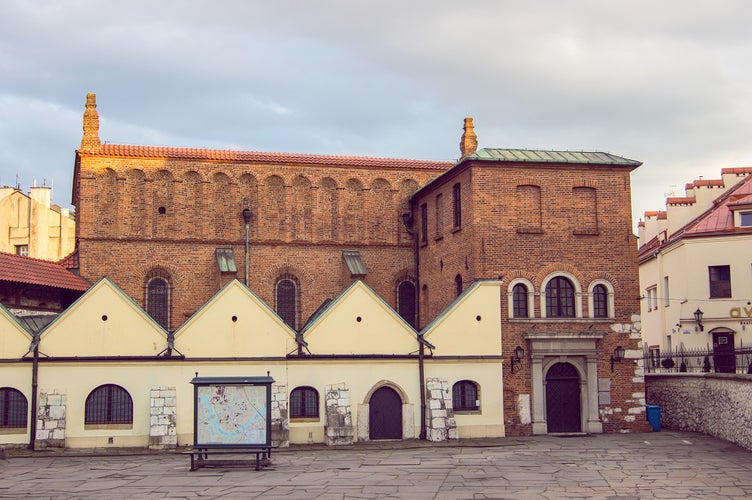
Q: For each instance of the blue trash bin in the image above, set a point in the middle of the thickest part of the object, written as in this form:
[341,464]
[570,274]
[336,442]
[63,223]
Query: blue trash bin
[653,413]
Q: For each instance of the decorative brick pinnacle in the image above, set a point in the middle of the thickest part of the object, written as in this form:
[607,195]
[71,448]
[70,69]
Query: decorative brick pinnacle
[469,141]
[90,141]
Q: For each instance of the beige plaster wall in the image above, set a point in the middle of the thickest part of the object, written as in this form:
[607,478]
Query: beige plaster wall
[104,322]
[360,323]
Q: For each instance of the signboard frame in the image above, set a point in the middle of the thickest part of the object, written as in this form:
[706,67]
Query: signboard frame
[200,383]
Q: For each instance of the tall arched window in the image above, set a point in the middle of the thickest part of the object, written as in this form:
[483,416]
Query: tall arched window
[600,301]
[406,306]
[519,301]
[465,396]
[109,404]
[286,294]
[158,296]
[560,298]
[13,408]
[304,403]
[458,284]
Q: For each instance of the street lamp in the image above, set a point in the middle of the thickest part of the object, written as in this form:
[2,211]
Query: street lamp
[247,218]
[617,356]
[698,317]
[519,354]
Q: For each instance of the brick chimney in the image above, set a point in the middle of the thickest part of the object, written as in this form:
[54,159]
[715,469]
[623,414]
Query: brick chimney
[90,142]
[469,141]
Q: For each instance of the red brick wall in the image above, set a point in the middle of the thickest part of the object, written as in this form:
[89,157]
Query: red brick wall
[580,223]
[303,218]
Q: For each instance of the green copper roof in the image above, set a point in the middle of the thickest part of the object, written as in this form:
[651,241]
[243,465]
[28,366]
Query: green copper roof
[544,156]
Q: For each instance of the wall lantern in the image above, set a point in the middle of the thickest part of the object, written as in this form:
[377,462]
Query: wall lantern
[698,317]
[618,356]
[519,354]
[247,215]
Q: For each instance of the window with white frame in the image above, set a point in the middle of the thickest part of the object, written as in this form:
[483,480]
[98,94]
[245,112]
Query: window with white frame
[652,297]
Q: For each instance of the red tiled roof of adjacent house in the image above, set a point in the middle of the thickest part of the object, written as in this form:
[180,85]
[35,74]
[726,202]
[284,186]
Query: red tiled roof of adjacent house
[681,200]
[658,214]
[736,170]
[721,218]
[708,182]
[261,157]
[19,269]
[70,261]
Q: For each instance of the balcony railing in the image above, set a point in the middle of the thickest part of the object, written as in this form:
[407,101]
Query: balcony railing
[738,360]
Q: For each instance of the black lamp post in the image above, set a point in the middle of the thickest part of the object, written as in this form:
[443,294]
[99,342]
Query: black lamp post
[247,219]
[698,317]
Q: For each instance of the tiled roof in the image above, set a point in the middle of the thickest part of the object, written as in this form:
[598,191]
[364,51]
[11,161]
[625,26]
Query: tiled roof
[261,157]
[19,269]
[721,218]
[681,200]
[658,214]
[736,170]
[708,182]
[547,156]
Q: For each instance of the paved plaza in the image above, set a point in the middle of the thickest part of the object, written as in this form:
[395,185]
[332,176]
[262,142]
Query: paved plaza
[627,466]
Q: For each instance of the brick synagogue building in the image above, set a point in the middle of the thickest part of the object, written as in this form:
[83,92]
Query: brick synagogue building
[551,230]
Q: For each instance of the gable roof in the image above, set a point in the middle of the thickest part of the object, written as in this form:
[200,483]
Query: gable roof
[104,321]
[263,157]
[18,269]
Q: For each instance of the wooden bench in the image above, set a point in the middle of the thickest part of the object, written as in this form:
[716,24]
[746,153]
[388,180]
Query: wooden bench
[200,456]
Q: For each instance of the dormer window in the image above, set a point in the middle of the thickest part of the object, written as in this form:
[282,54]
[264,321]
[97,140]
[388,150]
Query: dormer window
[745,219]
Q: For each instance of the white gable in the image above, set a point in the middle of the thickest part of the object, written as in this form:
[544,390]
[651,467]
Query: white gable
[103,322]
[14,339]
[235,323]
[471,325]
[359,322]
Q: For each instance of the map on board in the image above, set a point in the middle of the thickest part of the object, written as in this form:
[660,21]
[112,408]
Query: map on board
[231,415]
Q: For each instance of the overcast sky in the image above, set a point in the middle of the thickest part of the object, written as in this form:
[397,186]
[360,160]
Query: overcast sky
[668,83]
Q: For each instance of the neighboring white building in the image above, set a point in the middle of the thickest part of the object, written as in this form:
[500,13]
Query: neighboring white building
[696,257]
[32,226]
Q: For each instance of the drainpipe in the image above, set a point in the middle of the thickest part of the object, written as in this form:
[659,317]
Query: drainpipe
[247,219]
[34,388]
[408,220]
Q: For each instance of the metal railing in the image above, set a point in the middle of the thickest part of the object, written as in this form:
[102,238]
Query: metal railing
[738,360]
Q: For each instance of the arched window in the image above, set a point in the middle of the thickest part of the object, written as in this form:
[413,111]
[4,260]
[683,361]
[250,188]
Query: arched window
[109,404]
[560,298]
[465,396]
[406,301]
[458,284]
[600,301]
[158,296]
[304,403]
[286,294]
[13,408]
[519,301]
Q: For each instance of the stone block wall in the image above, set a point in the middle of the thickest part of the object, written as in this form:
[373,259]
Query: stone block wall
[163,418]
[711,403]
[280,420]
[339,425]
[440,422]
[51,412]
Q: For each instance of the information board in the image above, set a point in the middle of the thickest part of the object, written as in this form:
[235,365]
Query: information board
[231,414]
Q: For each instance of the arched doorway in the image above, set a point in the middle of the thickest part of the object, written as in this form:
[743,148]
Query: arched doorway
[563,398]
[385,414]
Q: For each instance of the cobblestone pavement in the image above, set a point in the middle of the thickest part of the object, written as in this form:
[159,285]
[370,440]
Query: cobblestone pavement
[628,466]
